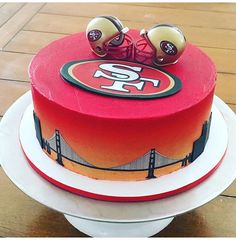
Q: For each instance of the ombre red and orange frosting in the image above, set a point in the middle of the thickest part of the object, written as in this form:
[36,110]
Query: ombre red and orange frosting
[111,131]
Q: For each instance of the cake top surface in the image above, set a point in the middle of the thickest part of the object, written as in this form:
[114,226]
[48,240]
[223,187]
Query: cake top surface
[194,69]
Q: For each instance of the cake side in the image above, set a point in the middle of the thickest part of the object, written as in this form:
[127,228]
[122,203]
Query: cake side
[111,138]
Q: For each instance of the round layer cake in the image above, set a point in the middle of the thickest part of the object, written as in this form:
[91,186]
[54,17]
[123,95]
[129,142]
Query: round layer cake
[120,119]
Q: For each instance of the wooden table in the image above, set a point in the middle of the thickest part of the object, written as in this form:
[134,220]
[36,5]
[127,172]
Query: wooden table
[25,28]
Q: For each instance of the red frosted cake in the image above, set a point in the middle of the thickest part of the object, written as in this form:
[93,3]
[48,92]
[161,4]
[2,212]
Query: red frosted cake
[114,119]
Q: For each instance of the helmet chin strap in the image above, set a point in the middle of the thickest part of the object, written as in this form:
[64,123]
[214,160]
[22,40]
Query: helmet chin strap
[164,64]
[125,30]
[143,32]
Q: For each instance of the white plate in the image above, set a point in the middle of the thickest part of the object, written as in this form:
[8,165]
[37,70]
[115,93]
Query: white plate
[19,171]
[170,184]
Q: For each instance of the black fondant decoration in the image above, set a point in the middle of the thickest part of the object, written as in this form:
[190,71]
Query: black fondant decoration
[140,164]
[38,130]
[151,167]
[148,162]
[185,161]
[208,127]
[47,147]
[58,148]
[200,143]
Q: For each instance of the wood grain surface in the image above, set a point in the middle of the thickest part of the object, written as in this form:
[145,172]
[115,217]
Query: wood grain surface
[27,27]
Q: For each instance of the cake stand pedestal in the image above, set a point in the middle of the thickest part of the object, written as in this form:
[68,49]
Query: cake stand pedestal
[110,219]
[107,229]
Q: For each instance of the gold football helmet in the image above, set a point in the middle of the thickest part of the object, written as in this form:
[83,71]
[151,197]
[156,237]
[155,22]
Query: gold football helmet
[107,35]
[163,44]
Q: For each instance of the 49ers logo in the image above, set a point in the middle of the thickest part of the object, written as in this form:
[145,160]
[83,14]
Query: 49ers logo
[121,78]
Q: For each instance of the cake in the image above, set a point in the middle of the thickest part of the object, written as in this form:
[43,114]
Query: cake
[120,119]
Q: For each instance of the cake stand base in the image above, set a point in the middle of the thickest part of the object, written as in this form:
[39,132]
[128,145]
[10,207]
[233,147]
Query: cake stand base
[107,229]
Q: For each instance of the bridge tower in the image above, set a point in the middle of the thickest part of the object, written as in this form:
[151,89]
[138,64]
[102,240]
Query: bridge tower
[151,166]
[38,130]
[185,161]
[58,147]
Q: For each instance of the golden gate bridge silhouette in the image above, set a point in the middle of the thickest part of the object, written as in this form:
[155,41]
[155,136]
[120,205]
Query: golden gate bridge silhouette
[150,161]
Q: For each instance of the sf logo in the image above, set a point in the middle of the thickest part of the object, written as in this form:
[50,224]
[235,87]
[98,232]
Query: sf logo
[123,76]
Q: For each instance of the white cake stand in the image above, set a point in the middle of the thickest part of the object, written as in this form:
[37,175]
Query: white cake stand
[109,219]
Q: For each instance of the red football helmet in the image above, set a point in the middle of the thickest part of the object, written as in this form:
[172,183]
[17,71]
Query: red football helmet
[161,45]
[107,37]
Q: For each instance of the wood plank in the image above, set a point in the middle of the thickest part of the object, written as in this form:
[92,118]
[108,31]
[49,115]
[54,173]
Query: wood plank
[205,221]
[212,7]
[68,24]
[233,107]
[31,42]
[145,14]
[8,10]
[223,58]
[9,29]
[231,190]
[226,87]
[12,90]
[14,66]
[218,38]
[57,24]
[209,37]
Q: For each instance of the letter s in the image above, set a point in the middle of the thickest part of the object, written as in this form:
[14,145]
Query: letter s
[119,72]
